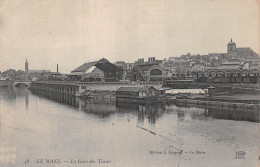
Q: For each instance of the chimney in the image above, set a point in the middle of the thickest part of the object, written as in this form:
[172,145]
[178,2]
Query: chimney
[57,68]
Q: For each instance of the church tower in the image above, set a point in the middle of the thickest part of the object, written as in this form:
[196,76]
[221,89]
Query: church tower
[26,65]
[231,46]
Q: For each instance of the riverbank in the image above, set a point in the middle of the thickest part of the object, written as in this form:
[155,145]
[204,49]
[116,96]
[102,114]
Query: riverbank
[234,101]
[234,98]
[205,85]
[237,97]
[217,109]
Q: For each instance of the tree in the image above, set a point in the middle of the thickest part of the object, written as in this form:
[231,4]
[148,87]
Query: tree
[181,71]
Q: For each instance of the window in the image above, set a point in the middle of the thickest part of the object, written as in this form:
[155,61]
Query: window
[156,72]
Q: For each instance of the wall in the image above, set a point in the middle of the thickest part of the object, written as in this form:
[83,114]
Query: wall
[114,87]
[245,91]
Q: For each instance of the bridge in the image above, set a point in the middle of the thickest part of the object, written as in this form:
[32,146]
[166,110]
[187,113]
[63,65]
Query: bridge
[18,83]
[77,88]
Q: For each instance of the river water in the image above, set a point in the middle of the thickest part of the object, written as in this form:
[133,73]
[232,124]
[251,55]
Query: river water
[43,129]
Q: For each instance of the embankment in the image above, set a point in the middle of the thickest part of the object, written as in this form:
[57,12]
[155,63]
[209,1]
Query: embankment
[213,104]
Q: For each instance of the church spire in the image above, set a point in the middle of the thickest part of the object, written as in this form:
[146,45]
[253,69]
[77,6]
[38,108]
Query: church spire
[231,39]
[26,65]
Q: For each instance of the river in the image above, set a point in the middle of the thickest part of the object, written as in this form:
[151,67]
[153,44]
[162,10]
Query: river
[43,129]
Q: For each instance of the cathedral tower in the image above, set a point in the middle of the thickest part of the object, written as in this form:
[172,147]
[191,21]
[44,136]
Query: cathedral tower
[231,46]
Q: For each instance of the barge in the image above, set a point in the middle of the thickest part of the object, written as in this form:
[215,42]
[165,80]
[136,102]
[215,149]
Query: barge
[147,94]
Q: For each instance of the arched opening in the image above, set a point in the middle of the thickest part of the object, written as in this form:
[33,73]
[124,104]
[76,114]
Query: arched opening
[156,72]
[20,85]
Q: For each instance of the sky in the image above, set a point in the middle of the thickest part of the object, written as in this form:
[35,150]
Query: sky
[72,32]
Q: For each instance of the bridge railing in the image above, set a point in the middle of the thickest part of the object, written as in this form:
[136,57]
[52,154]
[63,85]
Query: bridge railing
[101,83]
[122,83]
[21,81]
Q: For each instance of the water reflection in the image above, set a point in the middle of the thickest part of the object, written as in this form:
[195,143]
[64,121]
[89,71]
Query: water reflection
[67,127]
[151,111]
[60,98]
[11,94]
[100,108]
[239,115]
[181,115]
[106,108]
[8,93]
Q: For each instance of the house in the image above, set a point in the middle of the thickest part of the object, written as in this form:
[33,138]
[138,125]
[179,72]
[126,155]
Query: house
[138,94]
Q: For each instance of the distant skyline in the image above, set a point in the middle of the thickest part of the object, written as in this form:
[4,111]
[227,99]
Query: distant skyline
[70,33]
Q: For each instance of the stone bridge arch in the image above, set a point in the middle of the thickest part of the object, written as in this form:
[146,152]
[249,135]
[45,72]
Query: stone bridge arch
[21,83]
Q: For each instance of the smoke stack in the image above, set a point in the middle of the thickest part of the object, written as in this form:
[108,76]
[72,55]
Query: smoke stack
[57,68]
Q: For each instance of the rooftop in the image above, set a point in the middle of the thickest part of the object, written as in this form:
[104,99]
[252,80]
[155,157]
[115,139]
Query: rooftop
[134,89]
[102,64]
[230,63]
[39,71]
[244,49]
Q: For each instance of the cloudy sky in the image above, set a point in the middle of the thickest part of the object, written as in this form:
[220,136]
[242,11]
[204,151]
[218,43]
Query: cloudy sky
[72,32]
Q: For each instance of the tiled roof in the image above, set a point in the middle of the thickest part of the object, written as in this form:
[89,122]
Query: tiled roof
[230,63]
[244,49]
[134,89]
[129,89]
[102,64]
[85,66]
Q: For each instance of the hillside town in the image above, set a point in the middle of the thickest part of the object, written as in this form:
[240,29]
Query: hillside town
[129,83]
[238,64]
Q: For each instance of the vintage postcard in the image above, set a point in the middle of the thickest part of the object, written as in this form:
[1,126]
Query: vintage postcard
[129,83]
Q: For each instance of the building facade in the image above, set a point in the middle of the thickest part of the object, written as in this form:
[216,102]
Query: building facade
[101,70]
[148,72]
